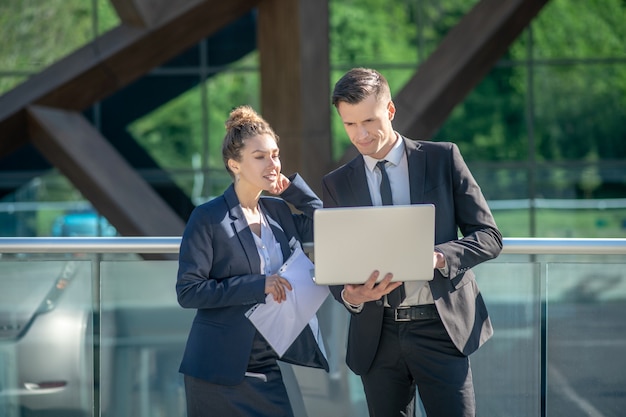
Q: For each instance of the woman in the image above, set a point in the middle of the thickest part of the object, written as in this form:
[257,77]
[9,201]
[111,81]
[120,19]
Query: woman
[230,252]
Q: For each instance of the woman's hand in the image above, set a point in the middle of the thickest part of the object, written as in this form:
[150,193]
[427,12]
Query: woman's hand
[439,261]
[281,185]
[278,287]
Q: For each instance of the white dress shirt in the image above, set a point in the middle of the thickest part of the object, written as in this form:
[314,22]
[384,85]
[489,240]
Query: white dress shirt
[397,167]
[268,247]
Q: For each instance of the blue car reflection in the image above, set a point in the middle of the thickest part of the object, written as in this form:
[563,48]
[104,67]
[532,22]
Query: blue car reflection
[82,224]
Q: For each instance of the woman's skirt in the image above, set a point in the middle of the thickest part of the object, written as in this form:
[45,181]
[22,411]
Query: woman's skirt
[262,392]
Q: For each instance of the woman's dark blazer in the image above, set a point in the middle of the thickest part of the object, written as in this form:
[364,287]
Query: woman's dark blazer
[219,275]
[439,176]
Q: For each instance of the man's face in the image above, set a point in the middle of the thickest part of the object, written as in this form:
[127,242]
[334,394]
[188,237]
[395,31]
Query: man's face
[368,124]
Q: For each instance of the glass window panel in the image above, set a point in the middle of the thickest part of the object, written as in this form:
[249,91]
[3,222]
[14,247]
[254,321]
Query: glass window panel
[570,200]
[581,223]
[596,180]
[202,183]
[186,133]
[506,188]
[586,303]
[501,181]
[587,29]
[340,141]
[581,200]
[46,341]
[506,369]
[147,351]
[490,123]
[365,31]
[49,205]
[238,85]
[36,33]
[435,19]
[375,33]
[579,112]
[512,222]
[235,86]
[172,133]
[231,43]
[144,331]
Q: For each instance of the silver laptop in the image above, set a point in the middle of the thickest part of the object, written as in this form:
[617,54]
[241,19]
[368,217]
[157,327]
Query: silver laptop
[350,243]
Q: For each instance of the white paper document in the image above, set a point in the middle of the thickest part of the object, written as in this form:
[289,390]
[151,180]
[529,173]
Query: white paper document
[281,323]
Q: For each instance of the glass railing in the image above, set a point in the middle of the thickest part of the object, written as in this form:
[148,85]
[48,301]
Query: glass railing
[90,328]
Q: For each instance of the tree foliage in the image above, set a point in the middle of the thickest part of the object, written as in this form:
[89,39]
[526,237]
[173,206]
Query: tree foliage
[561,87]
[572,98]
[35,34]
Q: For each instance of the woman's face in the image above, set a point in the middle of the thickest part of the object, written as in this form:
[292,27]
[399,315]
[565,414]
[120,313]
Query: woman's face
[259,166]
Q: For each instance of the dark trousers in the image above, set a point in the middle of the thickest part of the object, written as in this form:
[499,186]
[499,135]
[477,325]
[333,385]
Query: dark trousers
[418,353]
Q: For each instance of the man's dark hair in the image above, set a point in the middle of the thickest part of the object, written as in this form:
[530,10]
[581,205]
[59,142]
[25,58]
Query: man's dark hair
[358,84]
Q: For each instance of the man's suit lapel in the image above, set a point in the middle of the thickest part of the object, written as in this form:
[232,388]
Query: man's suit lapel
[357,183]
[239,225]
[416,159]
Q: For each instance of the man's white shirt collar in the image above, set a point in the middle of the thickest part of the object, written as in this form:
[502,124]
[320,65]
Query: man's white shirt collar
[393,156]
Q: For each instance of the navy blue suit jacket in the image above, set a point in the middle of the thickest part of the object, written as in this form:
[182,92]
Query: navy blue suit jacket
[219,275]
[437,175]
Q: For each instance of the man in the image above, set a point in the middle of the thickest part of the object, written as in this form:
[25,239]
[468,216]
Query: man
[424,341]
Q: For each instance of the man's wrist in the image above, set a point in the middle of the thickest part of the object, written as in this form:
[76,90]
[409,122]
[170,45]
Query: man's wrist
[354,307]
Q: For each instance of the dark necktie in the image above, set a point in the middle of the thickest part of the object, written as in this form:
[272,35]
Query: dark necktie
[385,186]
[395,297]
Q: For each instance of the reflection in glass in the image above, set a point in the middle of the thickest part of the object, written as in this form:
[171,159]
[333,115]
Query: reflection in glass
[46,344]
[586,303]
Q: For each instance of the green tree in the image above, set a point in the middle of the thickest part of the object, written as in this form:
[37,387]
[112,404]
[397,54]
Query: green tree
[35,34]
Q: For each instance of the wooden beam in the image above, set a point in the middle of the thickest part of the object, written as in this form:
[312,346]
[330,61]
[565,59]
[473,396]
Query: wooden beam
[293,47]
[113,61]
[461,61]
[70,143]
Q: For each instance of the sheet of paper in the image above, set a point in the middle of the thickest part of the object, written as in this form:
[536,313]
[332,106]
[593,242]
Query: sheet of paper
[281,323]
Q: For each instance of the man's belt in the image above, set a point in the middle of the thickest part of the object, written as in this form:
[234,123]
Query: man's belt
[410,313]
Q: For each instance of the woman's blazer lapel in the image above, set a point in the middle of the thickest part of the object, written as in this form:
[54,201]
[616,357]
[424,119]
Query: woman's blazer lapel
[239,225]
